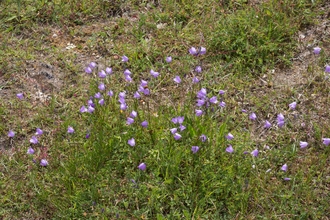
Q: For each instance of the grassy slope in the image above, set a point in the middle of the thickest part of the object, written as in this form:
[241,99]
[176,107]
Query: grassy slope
[93,178]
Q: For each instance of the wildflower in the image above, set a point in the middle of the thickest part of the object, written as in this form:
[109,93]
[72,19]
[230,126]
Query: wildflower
[173,130]
[142,166]
[137,95]
[83,109]
[133,114]
[177,79]
[70,130]
[200,102]
[180,119]
[222,104]
[202,51]
[293,105]
[284,168]
[229,136]
[317,50]
[280,120]
[87,135]
[213,100]
[193,51]
[255,153]
[101,101]
[90,109]
[124,59]
[287,179]
[144,124]
[194,149]
[267,124]
[244,110]
[127,72]
[203,138]
[182,127]
[198,69]
[168,59]
[327,69]
[108,70]
[230,149]
[97,95]
[39,131]
[11,134]
[195,79]
[92,65]
[198,112]
[201,94]
[303,144]
[90,101]
[129,120]
[221,92]
[34,140]
[101,86]
[154,73]
[20,96]
[326,141]
[102,74]
[122,95]
[128,78]
[131,142]
[110,93]
[253,116]
[43,162]
[177,136]
[123,106]
[30,151]
[146,91]
[88,70]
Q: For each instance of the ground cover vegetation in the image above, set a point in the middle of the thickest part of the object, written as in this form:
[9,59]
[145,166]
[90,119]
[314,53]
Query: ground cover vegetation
[164,109]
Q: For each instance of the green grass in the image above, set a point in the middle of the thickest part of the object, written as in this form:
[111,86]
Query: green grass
[98,177]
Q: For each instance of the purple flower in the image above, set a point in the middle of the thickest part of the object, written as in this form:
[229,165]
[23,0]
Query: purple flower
[194,149]
[142,166]
[198,69]
[101,101]
[221,92]
[267,124]
[11,134]
[200,102]
[303,144]
[146,91]
[34,140]
[101,86]
[127,72]
[108,70]
[90,101]
[30,151]
[129,120]
[201,94]
[280,120]
[131,142]
[122,95]
[253,116]
[92,65]
[39,131]
[102,74]
[182,127]
[88,70]
[255,153]
[222,104]
[284,168]
[97,95]
[168,59]
[70,130]
[173,130]
[229,136]
[177,79]
[198,112]
[137,95]
[317,50]
[180,119]
[133,114]
[202,51]
[154,74]
[244,110]
[144,124]
[230,149]
[326,141]
[327,69]
[43,162]
[193,51]
[195,79]
[287,179]
[83,109]
[20,96]
[123,106]
[110,93]
[87,135]
[203,138]
[90,109]
[213,100]
[128,78]
[177,136]
[293,105]
[124,59]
